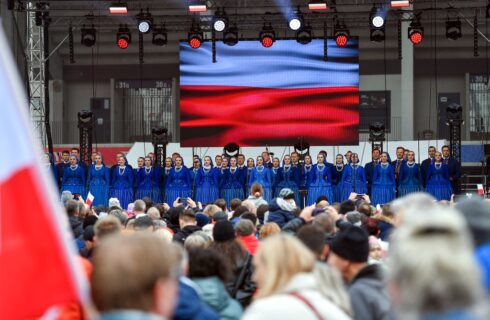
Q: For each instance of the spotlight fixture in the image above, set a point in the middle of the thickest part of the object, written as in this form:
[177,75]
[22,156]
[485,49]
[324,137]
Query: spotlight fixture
[295,22]
[195,36]
[416,32]
[230,36]
[317,5]
[341,35]
[377,35]
[118,8]
[377,17]
[453,29]
[88,38]
[197,6]
[303,35]
[400,3]
[267,36]
[220,21]
[145,22]
[123,37]
[159,37]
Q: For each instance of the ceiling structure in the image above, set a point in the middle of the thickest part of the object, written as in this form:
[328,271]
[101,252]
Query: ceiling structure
[249,16]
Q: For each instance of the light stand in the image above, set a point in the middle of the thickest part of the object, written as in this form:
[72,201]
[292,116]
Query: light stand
[85,127]
[159,139]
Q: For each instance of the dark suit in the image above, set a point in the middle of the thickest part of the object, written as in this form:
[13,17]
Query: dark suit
[424,168]
[454,173]
[397,164]
[369,170]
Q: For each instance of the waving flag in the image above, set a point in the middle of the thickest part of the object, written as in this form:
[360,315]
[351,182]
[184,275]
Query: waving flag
[257,96]
[37,269]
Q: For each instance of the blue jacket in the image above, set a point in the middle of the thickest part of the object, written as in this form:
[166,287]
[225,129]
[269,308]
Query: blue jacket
[190,306]
[279,215]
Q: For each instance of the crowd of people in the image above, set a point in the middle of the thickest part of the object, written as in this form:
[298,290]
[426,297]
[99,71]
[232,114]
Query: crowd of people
[228,178]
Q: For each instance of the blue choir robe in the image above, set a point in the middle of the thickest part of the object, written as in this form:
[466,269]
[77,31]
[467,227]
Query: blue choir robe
[122,185]
[424,169]
[337,173]
[232,185]
[353,180]
[60,167]
[384,185]
[288,177]
[74,180]
[409,179]
[192,178]
[262,175]
[438,183]
[178,185]
[319,184]
[147,184]
[369,170]
[207,185]
[274,181]
[98,185]
[305,176]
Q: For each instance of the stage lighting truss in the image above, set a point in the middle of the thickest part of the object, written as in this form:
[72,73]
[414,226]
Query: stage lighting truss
[123,38]
[220,21]
[453,29]
[145,22]
[267,36]
[195,36]
[304,35]
[341,35]
[416,32]
[88,37]
[230,36]
[159,37]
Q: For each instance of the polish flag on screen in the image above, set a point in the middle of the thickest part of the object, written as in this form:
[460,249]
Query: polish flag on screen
[37,268]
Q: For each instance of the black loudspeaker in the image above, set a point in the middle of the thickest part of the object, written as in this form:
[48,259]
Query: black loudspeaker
[10,4]
[486,149]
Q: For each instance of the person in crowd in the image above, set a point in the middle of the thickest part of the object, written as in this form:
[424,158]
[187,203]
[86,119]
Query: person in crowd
[398,162]
[165,173]
[76,153]
[353,178]
[105,228]
[424,166]
[295,159]
[51,169]
[266,156]
[74,178]
[438,183]
[240,286]
[122,183]
[99,181]
[386,222]
[288,288]
[140,163]
[196,165]
[306,172]
[454,168]
[369,168]
[319,183]
[73,212]
[289,177]
[245,232]
[262,175]
[409,178]
[210,270]
[207,182]
[375,251]
[348,156]
[338,170]
[349,252]
[249,168]
[241,161]
[125,288]
[233,182]
[383,185]
[269,229]
[313,237]
[188,225]
[276,164]
[433,273]
[218,159]
[197,240]
[178,184]
[281,208]
[62,165]
[147,182]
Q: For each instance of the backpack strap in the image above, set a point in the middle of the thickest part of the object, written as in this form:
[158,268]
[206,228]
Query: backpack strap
[307,303]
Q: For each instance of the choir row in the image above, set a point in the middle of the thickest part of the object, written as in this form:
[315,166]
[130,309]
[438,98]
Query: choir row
[232,177]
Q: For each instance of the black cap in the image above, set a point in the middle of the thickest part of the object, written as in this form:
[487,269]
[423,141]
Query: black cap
[223,231]
[351,243]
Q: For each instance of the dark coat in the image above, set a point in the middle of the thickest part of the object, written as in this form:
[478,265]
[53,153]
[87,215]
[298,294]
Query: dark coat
[278,215]
[183,233]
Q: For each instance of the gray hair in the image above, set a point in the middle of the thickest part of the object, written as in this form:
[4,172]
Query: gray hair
[197,240]
[65,196]
[139,205]
[120,215]
[432,264]
[153,213]
[244,227]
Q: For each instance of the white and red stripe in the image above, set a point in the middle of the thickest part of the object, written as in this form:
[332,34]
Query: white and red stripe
[38,269]
[317,6]
[119,9]
[198,8]
[400,3]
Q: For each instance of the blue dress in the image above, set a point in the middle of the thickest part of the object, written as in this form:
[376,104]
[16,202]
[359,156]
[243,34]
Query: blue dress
[193,180]
[248,173]
[262,175]
[53,172]
[122,185]
[98,184]
[409,179]
[319,183]
[232,185]
[305,176]
[74,180]
[164,174]
[384,185]
[207,185]
[337,172]
[289,178]
[275,180]
[438,183]
[178,185]
[353,180]
[147,184]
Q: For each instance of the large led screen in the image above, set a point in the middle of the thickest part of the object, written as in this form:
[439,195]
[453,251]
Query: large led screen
[258,96]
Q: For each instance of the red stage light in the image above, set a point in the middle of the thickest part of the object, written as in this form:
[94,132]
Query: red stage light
[416,37]
[195,42]
[122,43]
[267,41]
[341,40]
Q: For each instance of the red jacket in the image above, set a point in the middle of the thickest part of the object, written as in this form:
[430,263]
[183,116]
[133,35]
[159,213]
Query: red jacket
[250,243]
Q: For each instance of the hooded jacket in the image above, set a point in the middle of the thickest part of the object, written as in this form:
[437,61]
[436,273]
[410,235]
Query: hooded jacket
[214,294]
[279,213]
[186,231]
[190,306]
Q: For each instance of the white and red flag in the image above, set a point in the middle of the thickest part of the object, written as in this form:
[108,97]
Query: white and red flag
[37,260]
